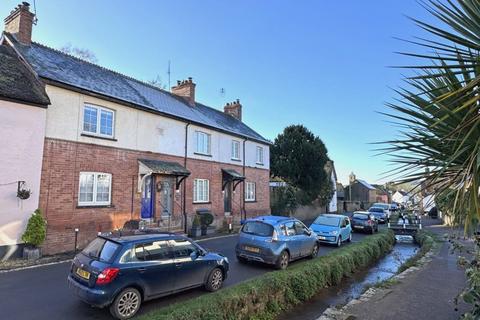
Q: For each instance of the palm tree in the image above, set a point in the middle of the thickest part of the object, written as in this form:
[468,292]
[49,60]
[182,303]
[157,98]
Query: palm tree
[439,110]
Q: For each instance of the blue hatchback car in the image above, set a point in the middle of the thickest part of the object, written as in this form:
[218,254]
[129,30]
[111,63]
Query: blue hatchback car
[332,228]
[121,272]
[275,240]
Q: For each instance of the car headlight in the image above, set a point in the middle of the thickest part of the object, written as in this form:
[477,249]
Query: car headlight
[334,232]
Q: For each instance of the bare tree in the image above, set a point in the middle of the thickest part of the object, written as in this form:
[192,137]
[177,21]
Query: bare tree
[82,53]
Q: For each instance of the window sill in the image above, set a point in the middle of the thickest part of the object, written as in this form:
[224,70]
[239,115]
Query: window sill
[94,206]
[202,154]
[259,163]
[208,202]
[250,201]
[97,137]
[235,159]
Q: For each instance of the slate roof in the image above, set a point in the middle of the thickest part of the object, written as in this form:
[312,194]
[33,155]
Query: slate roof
[366,184]
[63,68]
[17,82]
[233,174]
[165,167]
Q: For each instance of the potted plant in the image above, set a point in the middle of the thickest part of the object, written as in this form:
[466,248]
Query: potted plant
[196,231]
[34,236]
[206,220]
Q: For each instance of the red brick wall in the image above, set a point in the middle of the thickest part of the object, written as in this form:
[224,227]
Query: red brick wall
[64,160]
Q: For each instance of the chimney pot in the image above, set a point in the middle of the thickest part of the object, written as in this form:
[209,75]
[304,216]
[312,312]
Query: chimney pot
[234,109]
[186,90]
[20,22]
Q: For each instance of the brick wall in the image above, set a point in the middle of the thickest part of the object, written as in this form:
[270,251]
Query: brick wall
[64,160]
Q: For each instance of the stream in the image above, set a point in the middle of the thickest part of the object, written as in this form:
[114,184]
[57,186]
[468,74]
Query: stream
[353,286]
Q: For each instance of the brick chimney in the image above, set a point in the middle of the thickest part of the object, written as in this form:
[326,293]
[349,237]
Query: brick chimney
[19,23]
[234,109]
[186,90]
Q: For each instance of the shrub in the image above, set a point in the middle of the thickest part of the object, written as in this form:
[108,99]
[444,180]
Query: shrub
[36,230]
[267,295]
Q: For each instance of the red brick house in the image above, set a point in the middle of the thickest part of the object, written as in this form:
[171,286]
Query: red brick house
[118,149]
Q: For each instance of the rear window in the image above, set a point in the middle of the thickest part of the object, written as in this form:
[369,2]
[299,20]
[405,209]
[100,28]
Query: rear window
[376,210]
[258,228]
[327,221]
[360,216]
[101,249]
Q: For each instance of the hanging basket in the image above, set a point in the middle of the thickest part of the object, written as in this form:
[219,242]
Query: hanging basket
[22,192]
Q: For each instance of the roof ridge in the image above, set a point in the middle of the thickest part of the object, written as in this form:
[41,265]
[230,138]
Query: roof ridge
[101,67]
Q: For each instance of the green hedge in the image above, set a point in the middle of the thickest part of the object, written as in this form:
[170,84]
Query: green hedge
[267,295]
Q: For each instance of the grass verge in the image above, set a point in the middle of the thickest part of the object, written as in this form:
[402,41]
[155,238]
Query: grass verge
[266,296]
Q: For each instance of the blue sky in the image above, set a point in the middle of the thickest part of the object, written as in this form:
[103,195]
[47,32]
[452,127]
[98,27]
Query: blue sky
[322,64]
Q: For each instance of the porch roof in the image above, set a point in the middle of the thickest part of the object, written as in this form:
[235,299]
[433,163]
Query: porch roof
[230,174]
[165,167]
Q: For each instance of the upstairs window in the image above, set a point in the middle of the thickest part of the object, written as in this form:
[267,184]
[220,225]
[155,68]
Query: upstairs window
[98,121]
[94,188]
[259,155]
[203,141]
[235,150]
[250,191]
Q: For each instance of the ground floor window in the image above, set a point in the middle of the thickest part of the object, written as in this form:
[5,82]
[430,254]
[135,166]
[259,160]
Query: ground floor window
[95,188]
[201,190]
[250,191]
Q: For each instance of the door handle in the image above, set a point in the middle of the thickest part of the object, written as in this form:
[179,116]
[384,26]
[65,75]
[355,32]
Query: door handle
[178,265]
[142,270]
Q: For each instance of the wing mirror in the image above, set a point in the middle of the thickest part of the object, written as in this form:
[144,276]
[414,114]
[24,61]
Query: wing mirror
[194,255]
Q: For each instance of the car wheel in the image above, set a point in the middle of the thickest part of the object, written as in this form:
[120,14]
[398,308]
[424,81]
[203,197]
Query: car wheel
[283,260]
[350,237]
[126,304]
[215,280]
[339,241]
[314,251]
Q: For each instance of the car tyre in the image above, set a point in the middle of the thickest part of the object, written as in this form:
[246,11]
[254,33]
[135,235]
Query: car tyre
[350,237]
[126,304]
[314,251]
[214,280]
[339,241]
[283,260]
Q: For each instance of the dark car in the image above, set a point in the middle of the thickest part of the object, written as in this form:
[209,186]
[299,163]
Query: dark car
[364,221]
[122,272]
[275,240]
[379,213]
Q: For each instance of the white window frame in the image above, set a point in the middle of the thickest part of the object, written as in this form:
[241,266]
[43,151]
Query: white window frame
[201,196]
[259,155]
[94,201]
[208,136]
[99,117]
[250,189]
[236,144]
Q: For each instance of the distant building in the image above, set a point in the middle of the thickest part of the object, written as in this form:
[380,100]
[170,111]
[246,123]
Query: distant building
[401,197]
[360,190]
[332,175]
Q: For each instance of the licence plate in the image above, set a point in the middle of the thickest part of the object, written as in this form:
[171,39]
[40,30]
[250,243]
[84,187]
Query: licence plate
[321,238]
[84,274]
[252,249]
[359,227]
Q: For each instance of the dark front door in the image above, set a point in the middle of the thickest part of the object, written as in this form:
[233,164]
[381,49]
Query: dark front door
[227,198]
[147,198]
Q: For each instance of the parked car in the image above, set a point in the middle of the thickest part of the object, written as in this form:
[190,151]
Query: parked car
[332,228]
[384,206]
[364,221]
[394,207]
[379,213]
[122,272]
[275,240]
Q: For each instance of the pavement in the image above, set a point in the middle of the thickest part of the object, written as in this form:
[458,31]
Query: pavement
[428,293]
[43,293]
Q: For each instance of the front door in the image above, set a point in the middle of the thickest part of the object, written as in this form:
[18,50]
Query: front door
[147,198]
[227,198]
[166,198]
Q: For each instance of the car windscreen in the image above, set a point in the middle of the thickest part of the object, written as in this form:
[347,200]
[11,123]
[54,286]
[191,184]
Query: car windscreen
[376,210]
[101,249]
[360,216]
[327,221]
[381,205]
[258,228]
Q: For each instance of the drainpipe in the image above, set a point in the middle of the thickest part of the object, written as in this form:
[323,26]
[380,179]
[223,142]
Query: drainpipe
[243,193]
[185,182]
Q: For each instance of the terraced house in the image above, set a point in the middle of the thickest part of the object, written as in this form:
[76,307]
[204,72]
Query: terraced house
[118,149]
